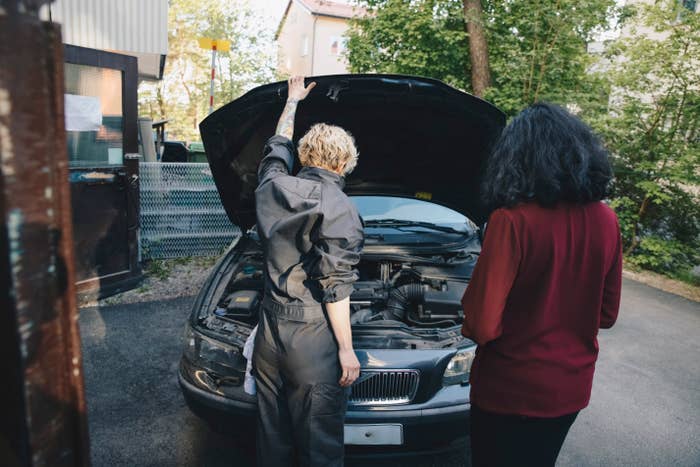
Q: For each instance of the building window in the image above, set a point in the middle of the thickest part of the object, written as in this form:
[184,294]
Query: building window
[338,44]
[304,46]
[689,4]
[94,116]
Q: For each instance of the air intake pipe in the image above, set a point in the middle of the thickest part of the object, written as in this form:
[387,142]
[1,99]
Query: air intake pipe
[400,298]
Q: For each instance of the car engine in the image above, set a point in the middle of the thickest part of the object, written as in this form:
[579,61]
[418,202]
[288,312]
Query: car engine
[388,293]
[399,291]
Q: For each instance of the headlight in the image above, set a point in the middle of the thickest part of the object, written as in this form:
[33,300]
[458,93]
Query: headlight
[457,371]
[190,343]
[222,359]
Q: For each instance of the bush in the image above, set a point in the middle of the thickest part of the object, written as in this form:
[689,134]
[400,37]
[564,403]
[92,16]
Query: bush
[669,257]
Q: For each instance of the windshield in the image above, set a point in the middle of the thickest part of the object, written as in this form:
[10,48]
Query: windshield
[373,208]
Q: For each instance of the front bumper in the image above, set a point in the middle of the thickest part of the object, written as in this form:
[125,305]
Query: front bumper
[440,420]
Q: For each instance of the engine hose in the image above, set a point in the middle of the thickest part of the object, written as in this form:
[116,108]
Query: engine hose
[401,297]
[448,322]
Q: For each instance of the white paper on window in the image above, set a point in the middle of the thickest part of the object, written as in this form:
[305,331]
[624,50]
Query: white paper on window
[83,113]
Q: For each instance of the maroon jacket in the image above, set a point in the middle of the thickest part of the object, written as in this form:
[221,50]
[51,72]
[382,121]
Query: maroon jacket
[546,281]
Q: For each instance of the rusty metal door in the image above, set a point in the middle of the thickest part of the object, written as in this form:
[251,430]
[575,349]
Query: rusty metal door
[42,402]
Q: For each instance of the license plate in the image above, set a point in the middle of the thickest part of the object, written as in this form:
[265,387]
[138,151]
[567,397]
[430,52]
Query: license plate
[376,434]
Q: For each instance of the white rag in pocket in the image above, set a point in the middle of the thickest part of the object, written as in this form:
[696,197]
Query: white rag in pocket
[249,382]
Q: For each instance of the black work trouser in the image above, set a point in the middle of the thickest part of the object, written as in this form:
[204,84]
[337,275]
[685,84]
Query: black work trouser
[301,406]
[499,440]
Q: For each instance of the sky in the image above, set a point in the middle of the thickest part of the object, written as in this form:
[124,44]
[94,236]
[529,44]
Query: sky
[273,9]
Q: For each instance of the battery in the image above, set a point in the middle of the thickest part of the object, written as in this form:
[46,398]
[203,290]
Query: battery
[243,303]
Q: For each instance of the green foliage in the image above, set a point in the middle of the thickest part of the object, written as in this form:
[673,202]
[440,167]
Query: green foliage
[669,257]
[182,95]
[626,209]
[653,131]
[642,96]
[417,37]
[537,50]
[160,269]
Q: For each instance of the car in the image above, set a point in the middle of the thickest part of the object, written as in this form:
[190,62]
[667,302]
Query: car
[422,148]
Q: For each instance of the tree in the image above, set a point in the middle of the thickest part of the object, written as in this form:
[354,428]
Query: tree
[423,37]
[644,101]
[537,50]
[653,130]
[478,47]
[182,95]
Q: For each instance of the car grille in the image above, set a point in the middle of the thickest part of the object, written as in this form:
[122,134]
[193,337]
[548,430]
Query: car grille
[385,387]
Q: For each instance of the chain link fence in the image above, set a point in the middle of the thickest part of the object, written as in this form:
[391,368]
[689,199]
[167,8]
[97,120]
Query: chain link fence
[181,213]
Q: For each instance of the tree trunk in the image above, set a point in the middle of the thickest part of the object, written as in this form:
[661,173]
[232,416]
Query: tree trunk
[478,48]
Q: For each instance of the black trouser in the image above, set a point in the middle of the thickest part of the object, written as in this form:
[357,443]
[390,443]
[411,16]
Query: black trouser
[301,407]
[512,440]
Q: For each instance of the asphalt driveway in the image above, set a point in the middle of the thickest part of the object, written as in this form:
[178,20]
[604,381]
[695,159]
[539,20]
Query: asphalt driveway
[644,409]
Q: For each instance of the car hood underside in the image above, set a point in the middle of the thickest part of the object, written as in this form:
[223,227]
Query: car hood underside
[417,137]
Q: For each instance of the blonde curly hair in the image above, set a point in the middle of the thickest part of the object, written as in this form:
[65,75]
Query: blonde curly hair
[328,147]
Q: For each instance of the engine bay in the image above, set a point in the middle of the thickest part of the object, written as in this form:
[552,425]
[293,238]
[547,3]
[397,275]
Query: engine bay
[388,293]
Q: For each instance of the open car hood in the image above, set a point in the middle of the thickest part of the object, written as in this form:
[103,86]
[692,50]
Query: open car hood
[417,137]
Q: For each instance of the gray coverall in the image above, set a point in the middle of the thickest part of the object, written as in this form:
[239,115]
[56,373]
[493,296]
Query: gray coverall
[311,234]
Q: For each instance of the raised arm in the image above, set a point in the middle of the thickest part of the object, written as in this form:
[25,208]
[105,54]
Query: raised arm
[297,92]
[279,151]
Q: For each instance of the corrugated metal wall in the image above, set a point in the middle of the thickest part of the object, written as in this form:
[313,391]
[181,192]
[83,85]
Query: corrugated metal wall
[138,26]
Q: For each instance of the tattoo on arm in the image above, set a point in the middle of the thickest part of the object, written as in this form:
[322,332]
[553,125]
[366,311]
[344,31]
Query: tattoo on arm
[285,126]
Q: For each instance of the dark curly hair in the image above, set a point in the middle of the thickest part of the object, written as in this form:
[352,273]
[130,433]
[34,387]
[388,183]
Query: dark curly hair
[547,155]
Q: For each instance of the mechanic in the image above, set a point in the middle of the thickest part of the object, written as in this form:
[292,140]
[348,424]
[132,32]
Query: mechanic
[311,234]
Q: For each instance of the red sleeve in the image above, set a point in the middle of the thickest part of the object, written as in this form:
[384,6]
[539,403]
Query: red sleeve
[612,288]
[485,298]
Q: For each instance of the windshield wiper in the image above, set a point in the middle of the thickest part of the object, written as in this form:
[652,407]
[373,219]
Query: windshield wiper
[399,223]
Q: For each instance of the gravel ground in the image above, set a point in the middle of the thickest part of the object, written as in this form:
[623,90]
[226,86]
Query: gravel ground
[165,279]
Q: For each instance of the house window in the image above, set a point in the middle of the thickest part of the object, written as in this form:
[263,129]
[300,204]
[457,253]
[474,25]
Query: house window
[94,119]
[304,46]
[338,44]
[689,4]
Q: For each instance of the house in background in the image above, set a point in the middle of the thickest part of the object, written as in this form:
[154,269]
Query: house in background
[630,28]
[109,46]
[311,37]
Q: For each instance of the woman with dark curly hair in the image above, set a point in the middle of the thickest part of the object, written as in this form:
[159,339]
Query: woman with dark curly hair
[548,278]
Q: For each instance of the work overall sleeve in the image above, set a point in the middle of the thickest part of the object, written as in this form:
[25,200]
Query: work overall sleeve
[338,241]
